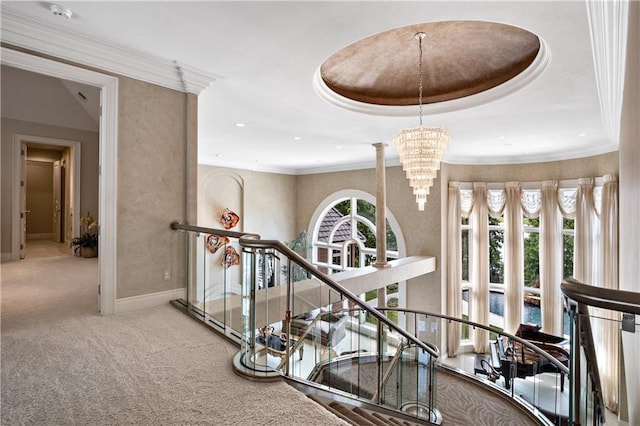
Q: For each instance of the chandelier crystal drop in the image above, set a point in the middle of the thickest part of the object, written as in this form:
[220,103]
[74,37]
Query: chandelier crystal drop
[421,149]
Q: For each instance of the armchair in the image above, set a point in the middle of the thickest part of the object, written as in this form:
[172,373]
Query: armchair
[329,328]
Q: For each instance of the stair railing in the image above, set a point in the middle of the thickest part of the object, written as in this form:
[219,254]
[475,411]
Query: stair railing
[267,316]
[531,376]
[587,403]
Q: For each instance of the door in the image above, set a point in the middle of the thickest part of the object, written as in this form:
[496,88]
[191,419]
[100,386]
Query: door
[58,202]
[23,199]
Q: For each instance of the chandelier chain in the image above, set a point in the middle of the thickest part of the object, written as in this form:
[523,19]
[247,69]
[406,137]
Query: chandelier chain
[421,75]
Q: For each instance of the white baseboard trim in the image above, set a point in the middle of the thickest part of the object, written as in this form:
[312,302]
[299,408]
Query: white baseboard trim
[144,301]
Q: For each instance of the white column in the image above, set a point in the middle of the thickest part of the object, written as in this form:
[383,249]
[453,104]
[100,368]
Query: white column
[381,207]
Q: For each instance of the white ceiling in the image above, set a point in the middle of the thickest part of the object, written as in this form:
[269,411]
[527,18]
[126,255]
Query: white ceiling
[266,54]
[34,97]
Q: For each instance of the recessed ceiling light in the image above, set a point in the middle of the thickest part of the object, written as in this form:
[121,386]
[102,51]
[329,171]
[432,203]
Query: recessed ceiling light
[339,147]
[61,11]
[582,134]
[239,124]
[297,138]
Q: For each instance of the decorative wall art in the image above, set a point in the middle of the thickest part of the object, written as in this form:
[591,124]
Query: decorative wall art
[214,242]
[231,257]
[229,219]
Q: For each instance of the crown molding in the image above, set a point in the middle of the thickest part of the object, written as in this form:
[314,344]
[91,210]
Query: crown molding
[608,22]
[24,31]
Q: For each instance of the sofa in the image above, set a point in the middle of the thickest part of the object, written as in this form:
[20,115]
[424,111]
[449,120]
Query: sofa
[330,328]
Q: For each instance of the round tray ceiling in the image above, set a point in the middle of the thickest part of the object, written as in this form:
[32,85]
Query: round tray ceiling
[460,58]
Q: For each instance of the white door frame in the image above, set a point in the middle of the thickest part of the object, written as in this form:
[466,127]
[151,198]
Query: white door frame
[17,189]
[107,199]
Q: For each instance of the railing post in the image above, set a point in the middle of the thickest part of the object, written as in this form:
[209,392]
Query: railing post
[380,372]
[574,366]
[287,315]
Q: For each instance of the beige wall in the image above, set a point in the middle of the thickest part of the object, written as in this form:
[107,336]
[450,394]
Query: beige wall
[152,170]
[569,169]
[421,230]
[39,198]
[89,166]
[157,159]
[268,201]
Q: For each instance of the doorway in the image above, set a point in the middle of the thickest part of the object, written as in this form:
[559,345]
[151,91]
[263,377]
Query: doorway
[50,196]
[108,143]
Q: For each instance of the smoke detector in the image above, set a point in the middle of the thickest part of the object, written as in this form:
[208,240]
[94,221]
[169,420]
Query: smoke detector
[61,11]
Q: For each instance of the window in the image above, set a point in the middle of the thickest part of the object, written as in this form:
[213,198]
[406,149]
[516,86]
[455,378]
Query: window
[465,228]
[531,252]
[531,202]
[496,252]
[344,237]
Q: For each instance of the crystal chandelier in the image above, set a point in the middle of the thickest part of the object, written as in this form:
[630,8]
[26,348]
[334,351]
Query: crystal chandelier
[421,149]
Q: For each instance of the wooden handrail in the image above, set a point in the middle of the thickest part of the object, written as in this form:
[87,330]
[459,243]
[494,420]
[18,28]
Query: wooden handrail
[599,297]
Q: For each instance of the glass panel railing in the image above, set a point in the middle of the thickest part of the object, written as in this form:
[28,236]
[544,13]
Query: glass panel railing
[409,385]
[292,320]
[533,374]
[601,318]
[587,403]
[308,329]
[214,278]
[371,361]
[264,304]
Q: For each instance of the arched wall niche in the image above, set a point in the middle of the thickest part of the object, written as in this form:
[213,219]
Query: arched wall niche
[219,189]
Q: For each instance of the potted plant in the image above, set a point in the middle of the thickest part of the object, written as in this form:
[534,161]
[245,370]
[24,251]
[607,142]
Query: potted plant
[86,245]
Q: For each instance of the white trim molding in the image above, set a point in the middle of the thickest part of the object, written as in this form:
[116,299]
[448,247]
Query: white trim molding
[128,304]
[608,21]
[25,31]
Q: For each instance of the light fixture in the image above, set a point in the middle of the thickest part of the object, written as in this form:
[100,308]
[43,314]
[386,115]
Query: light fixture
[421,148]
[61,11]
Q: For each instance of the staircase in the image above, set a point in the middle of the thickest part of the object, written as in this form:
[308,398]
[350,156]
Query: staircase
[359,415]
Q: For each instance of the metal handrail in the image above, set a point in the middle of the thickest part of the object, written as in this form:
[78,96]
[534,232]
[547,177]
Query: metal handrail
[561,367]
[253,241]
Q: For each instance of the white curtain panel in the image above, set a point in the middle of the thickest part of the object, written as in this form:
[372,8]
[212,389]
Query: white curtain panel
[550,260]
[595,256]
[514,258]
[584,221]
[454,269]
[607,346]
[479,273]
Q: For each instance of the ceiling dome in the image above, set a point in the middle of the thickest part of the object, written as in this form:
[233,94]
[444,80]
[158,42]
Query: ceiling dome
[460,58]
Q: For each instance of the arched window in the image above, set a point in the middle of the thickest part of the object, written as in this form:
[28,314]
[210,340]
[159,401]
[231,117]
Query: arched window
[343,230]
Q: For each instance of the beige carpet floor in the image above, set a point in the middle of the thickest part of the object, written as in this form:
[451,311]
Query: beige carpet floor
[63,364]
